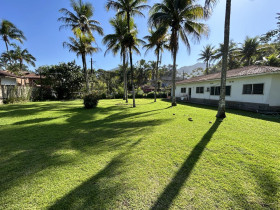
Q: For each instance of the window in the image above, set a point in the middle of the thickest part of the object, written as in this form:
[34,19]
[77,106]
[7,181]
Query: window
[250,89]
[183,90]
[200,90]
[216,91]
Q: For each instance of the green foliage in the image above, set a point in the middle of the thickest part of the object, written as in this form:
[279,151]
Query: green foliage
[65,80]
[273,60]
[91,100]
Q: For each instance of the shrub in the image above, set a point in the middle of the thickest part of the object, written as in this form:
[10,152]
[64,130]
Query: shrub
[91,101]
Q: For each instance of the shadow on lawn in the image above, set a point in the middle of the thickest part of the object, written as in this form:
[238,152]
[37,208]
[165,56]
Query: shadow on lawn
[235,111]
[173,188]
[28,147]
[98,191]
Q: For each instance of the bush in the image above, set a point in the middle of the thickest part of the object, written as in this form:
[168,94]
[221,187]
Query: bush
[91,101]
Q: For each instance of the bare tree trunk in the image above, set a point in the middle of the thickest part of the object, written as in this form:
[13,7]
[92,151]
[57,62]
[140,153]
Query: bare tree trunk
[174,37]
[156,86]
[222,103]
[85,72]
[131,63]
[124,77]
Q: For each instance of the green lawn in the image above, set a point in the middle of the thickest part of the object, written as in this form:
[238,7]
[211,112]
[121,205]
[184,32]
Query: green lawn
[58,155]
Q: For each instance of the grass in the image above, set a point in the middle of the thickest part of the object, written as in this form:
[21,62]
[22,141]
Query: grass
[57,155]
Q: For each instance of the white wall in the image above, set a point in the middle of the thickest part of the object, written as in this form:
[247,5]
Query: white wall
[271,94]
[7,81]
[274,96]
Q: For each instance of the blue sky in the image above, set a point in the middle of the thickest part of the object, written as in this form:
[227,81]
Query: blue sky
[38,20]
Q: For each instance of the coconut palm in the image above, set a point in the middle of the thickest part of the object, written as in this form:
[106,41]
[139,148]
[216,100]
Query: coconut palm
[157,40]
[128,8]
[8,31]
[181,17]
[22,56]
[209,4]
[249,49]
[117,43]
[82,46]
[207,55]
[80,20]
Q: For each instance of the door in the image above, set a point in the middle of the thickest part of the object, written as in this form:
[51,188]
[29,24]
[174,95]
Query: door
[190,93]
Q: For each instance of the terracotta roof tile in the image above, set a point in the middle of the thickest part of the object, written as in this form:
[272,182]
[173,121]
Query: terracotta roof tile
[245,71]
[7,74]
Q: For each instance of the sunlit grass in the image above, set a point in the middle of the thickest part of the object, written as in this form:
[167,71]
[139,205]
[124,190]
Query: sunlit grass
[58,155]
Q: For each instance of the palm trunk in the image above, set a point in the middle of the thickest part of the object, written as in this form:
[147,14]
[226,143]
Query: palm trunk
[222,103]
[174,51]
[6,43]
[85,72]
[131,64]
[124,78]
[156,86]
[207,67]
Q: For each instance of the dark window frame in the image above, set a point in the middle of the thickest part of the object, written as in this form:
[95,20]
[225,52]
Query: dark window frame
[252,89]
[216,90]
[183,90]
[199,90]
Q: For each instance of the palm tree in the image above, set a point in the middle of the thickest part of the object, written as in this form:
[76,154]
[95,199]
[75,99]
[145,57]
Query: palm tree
[181,17]
[82,46]
[128,8]
[207,55]
[80,20]
[157,40]
[23,56]
[249,49]
[116,43]
[209,4]
[8,31]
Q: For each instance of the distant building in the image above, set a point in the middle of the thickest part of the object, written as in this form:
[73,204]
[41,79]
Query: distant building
[249,88]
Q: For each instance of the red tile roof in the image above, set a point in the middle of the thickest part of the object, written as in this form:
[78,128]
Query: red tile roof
[7,74]
[241,72]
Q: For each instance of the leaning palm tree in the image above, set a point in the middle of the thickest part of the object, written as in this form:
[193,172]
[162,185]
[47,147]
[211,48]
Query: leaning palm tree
[181,17]
[23,56]
[249,49]
[82,46]
[80,20]
[207,55]
[209,4]
[128,8]
[8,31]
[157,40]
[116,43]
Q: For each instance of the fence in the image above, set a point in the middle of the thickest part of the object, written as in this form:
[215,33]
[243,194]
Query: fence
[15,93]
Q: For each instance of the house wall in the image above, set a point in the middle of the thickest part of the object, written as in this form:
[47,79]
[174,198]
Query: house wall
[270,97]
[8,81]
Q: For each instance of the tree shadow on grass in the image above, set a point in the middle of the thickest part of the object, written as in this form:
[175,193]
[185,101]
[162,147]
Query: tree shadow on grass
[236,112]
[28,148]
[173,188]
[98,192]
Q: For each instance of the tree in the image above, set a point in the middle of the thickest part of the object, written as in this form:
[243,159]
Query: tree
[249,49]
[181,17]
[82,46]
[207,55]
[128,8]
[273,35]
[8,31]
[80,20]
[157,40]
[117,43]
[83,27]
[23,56]
[65,79]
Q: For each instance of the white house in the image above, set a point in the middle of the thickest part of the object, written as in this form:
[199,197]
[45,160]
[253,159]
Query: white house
[249,88]
[7,80]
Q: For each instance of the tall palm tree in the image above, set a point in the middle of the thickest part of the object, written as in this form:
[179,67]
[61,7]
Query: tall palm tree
[23,56]
[249,49]
[117,43]
[80,20]
[209,4]
[207,55]
[181,17]
[157,40]
[82,46]
[83,27]
[128,8]
[8,31]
